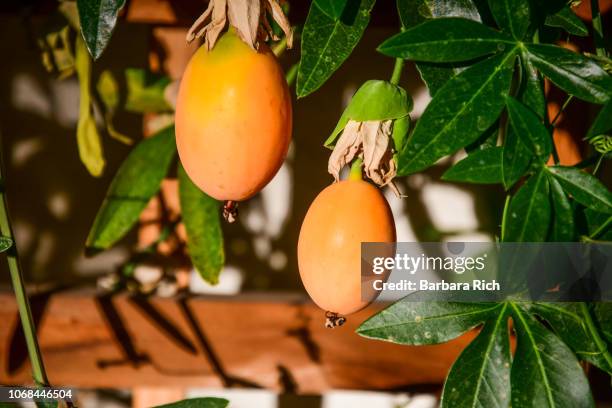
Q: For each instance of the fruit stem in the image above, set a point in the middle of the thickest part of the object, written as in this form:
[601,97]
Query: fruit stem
[397,71]
[356,172]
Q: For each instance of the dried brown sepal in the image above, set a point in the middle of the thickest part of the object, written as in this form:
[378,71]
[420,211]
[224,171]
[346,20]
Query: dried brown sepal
[371,141]
[247,17]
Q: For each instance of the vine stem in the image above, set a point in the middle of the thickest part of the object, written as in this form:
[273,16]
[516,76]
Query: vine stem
[25,314]
[397,71]
[600,48]
[594,332]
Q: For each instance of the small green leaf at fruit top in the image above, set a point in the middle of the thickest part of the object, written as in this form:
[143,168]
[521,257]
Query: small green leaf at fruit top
[460,112]
[208,402]
[574,73]
[136,181]
[445,40]
[5,243]
[98,19]
[374,100]
[480,167]
[584,188]
[511,16]
[570,22]
[418,323]
[327,43]
[204,235]
[481,375]
[332,8]
[146,91]
[529,128]
[545,372]
[563,228]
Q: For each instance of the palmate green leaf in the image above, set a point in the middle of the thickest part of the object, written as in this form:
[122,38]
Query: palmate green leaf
[327,42]
[599,225]
[418,323]
[136,181]
[5,243]
[603,316]
[567,321]
[545,372]
[529,211]
[204,235]
[584,188]
[374,100]
[563,228]
[602,123]
[445,40]
[481,167]
[461,111]
[332,8]
[511,16]
[481,375]
[529,128]
[531,91]
[516,158]
[574,73]
[208,402]
[98,19]
[485,141]
[570,22]
[146,91]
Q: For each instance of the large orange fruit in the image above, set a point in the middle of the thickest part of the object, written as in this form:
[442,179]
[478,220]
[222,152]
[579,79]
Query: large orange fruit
[233,118]
[343,215]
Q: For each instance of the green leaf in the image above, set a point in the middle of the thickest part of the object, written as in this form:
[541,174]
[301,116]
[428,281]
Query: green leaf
[529,128]
[531,92]
[515,158]
[574,73]
[481,375]
[108,90]
[545,372]
[461,111]
[374,100]
[481,166]
[332,8]
[599,225]
[563,229]
[146,91]
[418,323]
[5,243]
[98,19]
[602,123]
[137,180]
[204,235]
[208,402]
[445,40]
[529,211]
[603,315]
[326,43]
[511,16]
[585,188]
[569,21]
[401,127]
[88,139]
[568,323]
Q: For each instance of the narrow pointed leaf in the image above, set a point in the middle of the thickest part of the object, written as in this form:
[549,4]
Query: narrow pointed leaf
[445,40]
[208,402]
[461,111]
[326,43]
[532,92]
[584,188]
[516,158]
[137,180]
[481,166]
[511,16]
[418,323]
[529,128]
[545,372]
[574,73]
[481,375]
[331,8]
[563,229]
[570,22]
[202,222]
[529,211]
[98,19]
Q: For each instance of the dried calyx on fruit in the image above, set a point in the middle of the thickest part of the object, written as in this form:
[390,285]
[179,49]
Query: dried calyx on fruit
[373,128]
[248,17]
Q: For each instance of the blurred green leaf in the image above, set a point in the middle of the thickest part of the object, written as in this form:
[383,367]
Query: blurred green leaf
[198,403]
[98,19]
[563,229]
[445,40]
[332,8]
[88,139]
[418,323]
[481,166]
[602,123]
[326,43]
[146,91]
[584,188]
[5,243]
[511,16]
[374,100]
[545,372]
[108,90]
[137,180]
[570,22]
[204,235]
[574,73]
[481,375]
[603,315]
[460,112]
[529,128]
[529,211]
